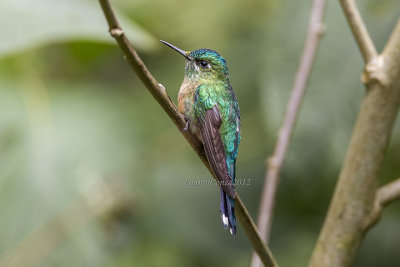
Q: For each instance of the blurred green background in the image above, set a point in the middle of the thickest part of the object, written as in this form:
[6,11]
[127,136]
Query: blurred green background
[92,172]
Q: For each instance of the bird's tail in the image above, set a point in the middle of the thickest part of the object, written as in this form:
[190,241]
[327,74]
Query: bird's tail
[228,212]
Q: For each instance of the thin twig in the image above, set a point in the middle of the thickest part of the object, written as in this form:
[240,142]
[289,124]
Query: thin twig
[384,196]
[274,163]
[159,93]
[388,193]
[359,30]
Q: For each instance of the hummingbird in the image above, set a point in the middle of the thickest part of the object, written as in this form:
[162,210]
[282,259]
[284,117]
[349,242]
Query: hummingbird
[211,110]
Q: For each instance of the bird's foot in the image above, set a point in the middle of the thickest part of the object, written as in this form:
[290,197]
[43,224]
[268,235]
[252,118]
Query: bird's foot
[187,124]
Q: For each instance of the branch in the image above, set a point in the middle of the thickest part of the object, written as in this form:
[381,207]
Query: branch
[388,193]
[274,163]
[159,93]
[391,57]
[353,201]
[359,30]
[384,196]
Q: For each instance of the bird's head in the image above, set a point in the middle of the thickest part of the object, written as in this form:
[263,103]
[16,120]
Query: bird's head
[203,64]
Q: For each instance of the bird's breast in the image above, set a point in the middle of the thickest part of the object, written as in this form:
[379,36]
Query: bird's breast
[186,98]
[186,104]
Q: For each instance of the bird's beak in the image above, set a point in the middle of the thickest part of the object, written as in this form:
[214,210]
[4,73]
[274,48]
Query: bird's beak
[180,51]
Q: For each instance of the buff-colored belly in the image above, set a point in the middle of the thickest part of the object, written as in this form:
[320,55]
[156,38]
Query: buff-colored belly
[185,105]
[186,99]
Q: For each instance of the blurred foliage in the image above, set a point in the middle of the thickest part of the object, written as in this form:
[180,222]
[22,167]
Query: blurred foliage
[34,23]
[72,113]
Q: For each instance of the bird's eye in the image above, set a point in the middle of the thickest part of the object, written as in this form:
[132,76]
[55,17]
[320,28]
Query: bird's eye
[204,64]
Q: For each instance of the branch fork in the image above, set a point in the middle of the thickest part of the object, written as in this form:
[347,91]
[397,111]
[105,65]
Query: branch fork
[374,72]
[384,196]
[357,202]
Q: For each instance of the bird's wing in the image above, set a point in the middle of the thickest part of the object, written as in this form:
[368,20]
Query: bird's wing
[210,122]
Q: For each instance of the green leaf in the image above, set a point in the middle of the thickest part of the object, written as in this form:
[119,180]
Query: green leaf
[26,24]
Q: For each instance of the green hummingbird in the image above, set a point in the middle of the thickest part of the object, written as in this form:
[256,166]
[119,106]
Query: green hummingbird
[212,113]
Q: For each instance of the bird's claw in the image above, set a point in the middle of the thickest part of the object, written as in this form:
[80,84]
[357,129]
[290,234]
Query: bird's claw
[186,125]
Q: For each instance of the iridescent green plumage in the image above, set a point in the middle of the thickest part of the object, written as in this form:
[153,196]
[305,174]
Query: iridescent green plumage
[207,100]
